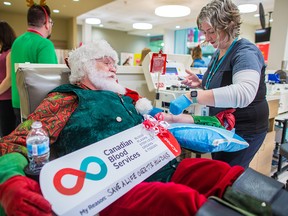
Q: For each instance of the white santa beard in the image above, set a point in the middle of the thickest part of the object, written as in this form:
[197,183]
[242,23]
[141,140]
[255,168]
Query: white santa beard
[105,81]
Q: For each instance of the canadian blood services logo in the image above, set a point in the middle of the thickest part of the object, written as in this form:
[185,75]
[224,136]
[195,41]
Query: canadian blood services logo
[81,175]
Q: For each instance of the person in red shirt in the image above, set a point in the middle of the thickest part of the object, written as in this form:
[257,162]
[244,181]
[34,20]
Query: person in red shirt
[7,117]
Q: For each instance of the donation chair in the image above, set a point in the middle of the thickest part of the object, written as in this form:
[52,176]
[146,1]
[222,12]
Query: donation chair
[284,153]
[34,81]
[251,194]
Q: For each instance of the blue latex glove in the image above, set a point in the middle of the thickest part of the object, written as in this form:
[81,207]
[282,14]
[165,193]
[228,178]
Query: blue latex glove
[179,104]
[154,111]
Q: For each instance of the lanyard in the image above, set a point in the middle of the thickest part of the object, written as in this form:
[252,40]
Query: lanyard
[212,71]
[34,31]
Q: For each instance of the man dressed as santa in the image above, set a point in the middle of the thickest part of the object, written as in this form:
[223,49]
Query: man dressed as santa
[93,107]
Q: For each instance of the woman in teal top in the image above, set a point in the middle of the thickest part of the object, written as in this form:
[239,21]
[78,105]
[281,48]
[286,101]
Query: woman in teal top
[235,78]
[197,57]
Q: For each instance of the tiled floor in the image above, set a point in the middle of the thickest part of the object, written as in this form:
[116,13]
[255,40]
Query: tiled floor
[283,177]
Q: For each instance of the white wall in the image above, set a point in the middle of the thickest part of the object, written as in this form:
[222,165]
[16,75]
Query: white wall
[119,40]
[248,31]
[169,41]
[278,50]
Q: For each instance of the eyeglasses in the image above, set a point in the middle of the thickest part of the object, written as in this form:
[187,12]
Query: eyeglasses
[107,62]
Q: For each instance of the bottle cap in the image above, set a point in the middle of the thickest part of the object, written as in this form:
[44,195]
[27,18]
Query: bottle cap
[36,124]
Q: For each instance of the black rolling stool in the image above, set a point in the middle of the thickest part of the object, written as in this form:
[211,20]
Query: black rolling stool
[278,147]
[284,153]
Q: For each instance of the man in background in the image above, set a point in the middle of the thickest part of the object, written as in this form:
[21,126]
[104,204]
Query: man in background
[33,46]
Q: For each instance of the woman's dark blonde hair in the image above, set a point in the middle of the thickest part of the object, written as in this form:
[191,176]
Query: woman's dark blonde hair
[196,53]
[144,52]
[222,15]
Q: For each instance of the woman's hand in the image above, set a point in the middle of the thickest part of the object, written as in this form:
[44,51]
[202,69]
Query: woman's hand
[191,80]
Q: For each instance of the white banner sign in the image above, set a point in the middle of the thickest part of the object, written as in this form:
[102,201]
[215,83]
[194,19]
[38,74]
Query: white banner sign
[88,180]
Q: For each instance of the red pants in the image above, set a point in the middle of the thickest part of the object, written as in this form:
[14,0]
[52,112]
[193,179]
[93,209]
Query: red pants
[192,183]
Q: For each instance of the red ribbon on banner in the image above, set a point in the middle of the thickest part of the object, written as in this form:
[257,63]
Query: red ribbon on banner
[156,125]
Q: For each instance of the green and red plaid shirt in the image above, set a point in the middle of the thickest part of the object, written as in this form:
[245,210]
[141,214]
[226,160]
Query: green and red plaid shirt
[53,112]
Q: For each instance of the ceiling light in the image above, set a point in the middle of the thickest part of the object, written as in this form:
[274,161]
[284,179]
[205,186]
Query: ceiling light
[172,11]
[93,21]
[177,27]
[7,3]
[142,26]
[56,11]
[247,8]
[101,25]
[256,15]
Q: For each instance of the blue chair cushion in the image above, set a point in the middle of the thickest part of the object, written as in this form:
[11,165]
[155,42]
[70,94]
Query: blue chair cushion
[205,139]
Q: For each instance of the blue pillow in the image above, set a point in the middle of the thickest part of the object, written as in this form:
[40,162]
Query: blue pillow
[203,138]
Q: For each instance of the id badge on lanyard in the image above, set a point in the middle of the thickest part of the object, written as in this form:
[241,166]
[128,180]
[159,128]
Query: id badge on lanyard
[205,111]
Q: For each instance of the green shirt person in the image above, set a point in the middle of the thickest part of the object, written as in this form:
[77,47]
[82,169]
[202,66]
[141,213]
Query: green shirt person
[33,46]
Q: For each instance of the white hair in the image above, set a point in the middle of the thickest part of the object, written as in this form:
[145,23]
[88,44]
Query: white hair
[80,56]
[103,80]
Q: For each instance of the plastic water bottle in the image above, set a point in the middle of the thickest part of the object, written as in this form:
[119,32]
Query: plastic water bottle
[37,143]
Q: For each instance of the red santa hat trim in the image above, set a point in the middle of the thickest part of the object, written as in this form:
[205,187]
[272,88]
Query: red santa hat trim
[142,105]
